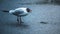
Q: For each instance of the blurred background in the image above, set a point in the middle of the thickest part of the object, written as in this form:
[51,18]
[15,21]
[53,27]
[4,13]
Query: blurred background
[44,18]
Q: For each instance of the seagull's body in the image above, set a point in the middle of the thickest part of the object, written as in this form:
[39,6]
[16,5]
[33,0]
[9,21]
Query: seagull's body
[19,12]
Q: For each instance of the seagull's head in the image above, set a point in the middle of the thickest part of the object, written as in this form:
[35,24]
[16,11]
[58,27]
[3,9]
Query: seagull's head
[28,10]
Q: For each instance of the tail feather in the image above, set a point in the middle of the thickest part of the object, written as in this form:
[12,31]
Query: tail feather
[5,11]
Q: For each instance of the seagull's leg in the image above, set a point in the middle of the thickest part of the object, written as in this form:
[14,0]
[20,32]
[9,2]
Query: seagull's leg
[20,20]
[17,18]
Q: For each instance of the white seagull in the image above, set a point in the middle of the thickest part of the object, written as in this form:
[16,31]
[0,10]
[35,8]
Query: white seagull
[19,12]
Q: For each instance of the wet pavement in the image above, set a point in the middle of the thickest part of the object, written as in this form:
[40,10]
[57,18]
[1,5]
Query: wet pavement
[44,19]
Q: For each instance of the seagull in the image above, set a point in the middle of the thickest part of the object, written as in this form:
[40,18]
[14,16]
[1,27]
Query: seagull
[19,12]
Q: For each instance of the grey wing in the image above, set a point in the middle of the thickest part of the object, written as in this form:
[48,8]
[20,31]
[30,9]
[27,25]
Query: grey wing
[17,12]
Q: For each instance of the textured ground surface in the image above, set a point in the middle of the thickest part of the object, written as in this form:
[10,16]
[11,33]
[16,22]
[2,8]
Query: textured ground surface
[50,14]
